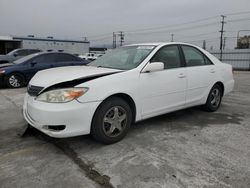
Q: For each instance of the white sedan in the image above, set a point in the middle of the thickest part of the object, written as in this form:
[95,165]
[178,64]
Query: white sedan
[126,85]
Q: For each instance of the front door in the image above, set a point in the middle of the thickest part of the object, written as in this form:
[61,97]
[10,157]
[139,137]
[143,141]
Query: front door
[163,91]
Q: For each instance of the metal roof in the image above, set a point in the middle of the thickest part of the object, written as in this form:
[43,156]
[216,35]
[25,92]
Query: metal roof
[48,39]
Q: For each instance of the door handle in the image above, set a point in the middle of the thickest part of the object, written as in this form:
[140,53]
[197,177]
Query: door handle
[212,71]
[181,75]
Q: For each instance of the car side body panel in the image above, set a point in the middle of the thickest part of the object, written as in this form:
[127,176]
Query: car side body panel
[153,93]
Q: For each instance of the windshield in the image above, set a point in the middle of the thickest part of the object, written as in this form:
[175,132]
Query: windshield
[25,58]
[124,58]
[12,52]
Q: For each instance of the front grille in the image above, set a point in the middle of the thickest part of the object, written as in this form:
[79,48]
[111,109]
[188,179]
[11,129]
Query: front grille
[34,90]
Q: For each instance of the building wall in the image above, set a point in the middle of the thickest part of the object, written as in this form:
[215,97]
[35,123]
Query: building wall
[70,47]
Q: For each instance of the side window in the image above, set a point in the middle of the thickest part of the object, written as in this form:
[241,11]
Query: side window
[65,57]
[22,52]
[33,51]
[46,58]
[169,55]
[208,61]
[194,57]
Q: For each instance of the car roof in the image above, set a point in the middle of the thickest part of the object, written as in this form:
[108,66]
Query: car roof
[146,44]
[26,49]
[25,58]
[158,44]
[41,53]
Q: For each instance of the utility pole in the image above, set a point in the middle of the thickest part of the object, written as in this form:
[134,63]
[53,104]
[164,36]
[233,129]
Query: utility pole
[221,34]
[121,34]
[114,40]
[172,37]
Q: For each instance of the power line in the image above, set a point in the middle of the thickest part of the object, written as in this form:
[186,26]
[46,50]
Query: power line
[176,25]
[177,29]
[94,36]
[207,40]
[238,13]
[191,36]
[194,21]
[100,39]
[239,20]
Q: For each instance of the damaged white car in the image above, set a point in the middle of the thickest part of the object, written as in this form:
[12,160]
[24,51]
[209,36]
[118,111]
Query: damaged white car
[126,85]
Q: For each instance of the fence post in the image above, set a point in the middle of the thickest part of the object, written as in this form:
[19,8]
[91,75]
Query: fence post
[249,63]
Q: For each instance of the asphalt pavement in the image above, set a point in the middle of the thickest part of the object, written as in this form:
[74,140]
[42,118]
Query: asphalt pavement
[187,148]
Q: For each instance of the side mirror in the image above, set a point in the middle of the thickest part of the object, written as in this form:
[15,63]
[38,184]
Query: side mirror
[152,67]
[15,54]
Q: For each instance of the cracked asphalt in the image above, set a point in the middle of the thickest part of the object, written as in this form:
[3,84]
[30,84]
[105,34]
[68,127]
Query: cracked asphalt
[188,148]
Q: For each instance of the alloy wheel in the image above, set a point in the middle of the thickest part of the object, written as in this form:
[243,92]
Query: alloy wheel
[114,121]
[14,81]
[215,97]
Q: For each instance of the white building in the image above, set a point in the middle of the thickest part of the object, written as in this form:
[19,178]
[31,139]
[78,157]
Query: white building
[8,43]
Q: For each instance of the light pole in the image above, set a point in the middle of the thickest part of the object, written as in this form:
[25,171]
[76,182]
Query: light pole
[172,37]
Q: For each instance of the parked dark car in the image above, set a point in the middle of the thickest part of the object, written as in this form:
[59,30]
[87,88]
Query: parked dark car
[21,71]
[16,54]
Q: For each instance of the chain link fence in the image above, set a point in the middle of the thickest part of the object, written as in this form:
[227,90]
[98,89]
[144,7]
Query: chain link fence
[238,58]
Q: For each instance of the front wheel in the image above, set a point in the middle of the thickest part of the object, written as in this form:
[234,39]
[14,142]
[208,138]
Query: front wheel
[214,99]
[111,121]
[15,80]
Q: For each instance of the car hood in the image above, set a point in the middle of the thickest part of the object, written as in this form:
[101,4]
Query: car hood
[6,65]
[54,76]
[4,57]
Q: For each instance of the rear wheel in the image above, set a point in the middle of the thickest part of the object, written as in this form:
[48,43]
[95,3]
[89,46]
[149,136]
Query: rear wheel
[15,80]
[111,121]
[214,99]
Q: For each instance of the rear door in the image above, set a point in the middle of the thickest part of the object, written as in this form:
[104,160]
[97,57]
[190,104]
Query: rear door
[200,74]
[164,91]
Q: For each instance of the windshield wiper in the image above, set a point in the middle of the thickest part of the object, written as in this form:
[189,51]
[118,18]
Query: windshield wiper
[102,66]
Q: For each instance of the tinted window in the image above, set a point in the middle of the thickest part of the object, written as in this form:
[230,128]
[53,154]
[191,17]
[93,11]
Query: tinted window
[65,57]
[169,55]
[44,58]
[22,52]
[194,57]
[33,51]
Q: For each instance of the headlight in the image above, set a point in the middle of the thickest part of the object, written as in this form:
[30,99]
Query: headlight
[2,71]
[62,95]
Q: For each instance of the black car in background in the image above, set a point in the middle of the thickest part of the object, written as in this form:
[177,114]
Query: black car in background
[16,54]
[22,70]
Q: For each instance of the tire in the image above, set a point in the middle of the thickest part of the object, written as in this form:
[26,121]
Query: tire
[14,80]
[214,99]
[111,121]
